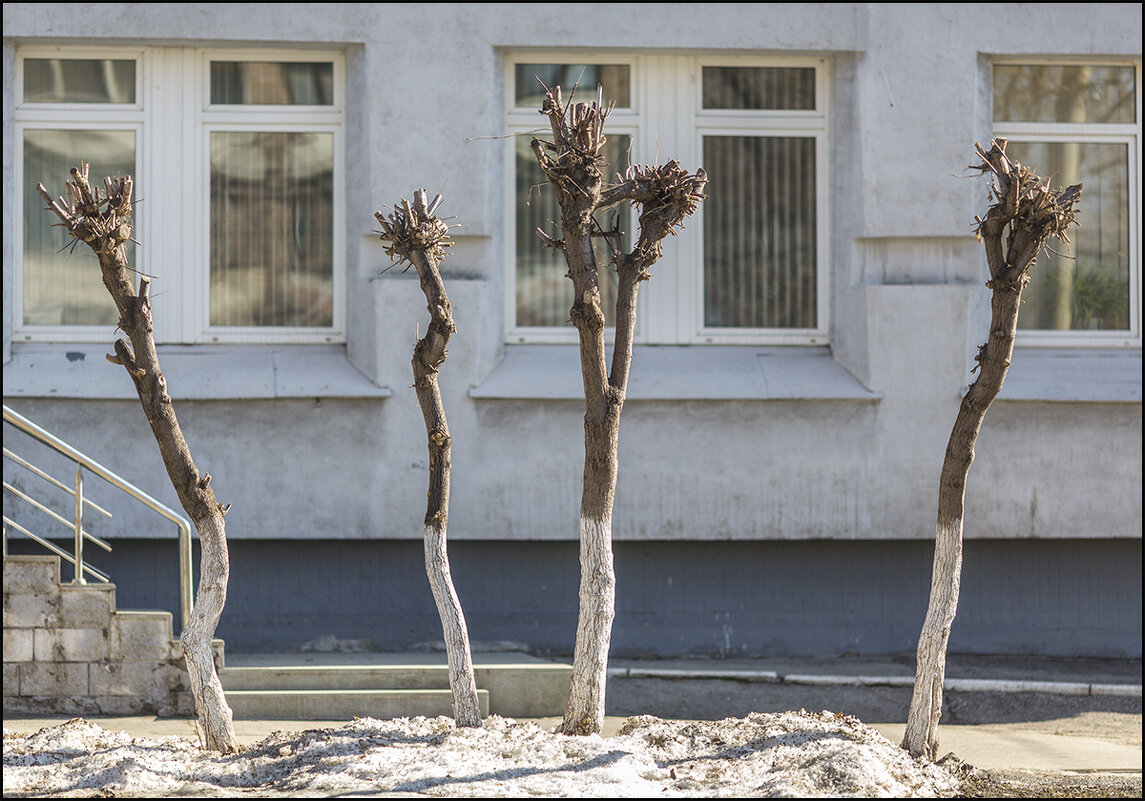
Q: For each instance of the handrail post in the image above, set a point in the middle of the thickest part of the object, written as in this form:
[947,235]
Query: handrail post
[186,578]
[79,579]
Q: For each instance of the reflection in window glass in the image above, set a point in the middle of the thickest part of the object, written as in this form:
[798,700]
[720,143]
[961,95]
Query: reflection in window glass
[614,78]
[760,88]
[1084,285]
[262,83]
[1063,93]
[760,232]
[544,294]
[62,284]
[76,80]
[272,229]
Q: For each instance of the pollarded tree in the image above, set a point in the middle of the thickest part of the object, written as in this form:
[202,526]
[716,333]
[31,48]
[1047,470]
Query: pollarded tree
[1025,215]
[102,220]
[414,234]
[665,195]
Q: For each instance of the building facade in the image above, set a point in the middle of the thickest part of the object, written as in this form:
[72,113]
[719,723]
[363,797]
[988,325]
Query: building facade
[802,346]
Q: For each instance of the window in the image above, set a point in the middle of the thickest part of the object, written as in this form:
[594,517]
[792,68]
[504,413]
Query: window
[1080,123]
[751,266]
[237,158]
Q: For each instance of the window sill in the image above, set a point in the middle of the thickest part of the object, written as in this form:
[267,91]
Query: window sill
[1073,375]
[193,373]
[552,372]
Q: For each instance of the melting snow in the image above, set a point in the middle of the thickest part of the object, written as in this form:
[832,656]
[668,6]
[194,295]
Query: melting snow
[790,754]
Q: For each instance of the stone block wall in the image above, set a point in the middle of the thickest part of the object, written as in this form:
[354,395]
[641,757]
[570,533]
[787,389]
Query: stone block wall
[68,651]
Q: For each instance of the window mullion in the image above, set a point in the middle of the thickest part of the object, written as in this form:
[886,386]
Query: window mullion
[687,259]
[657,142]
[160,212]
[195,221]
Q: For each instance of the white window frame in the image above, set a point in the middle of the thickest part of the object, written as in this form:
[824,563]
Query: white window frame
[173,119]
[666,120]
[1128,134]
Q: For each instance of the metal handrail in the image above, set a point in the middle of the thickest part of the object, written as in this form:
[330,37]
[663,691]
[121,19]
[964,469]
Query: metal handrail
[186,599]
[86,568]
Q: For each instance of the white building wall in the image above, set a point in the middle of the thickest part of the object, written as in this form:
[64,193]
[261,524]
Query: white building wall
[329,443]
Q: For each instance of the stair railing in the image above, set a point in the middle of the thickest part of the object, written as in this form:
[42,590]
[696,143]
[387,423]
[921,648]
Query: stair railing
[83,462]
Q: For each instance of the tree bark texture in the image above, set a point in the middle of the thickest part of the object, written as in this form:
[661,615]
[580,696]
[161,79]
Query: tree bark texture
[666,195]
[102,221]
[1025,214]
[414,234]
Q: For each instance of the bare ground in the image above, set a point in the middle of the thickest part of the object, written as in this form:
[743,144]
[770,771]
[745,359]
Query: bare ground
[1116,719]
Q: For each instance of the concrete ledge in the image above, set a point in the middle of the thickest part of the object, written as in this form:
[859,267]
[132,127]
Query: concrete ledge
[953,685]
[517,685]
[858,681]
[1074,375]
[691,372]
[658,673]
[344,704]
[1115,689]
[194,372]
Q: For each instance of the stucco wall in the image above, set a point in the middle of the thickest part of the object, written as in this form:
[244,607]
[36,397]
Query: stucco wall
[853,453]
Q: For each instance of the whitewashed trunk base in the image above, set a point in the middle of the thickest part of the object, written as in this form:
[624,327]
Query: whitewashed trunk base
[462,683]
[921,737]
[216,726]
[585,711]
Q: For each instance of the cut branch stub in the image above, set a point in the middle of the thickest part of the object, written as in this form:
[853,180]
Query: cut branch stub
[1025,215]
[666,194]
[102,220]
[414,229]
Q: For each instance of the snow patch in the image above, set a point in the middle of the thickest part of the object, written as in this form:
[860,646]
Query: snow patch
[790,754]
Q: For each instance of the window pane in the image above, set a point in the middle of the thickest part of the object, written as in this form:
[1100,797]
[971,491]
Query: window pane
[1064,93]
[759,232]
[1085,285]
[272,211]
[62,284]
[76,80]
[585,77]
[261,83]
[544,293]
[770,88]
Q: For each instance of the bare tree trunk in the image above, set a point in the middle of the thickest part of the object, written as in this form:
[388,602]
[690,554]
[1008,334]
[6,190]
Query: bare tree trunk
[414,234]
[667,194]
[1024,217]
[102,221]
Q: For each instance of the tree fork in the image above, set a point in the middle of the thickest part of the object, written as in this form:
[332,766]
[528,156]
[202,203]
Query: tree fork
[102,221]
[414,234]
[1025,215]
[667,194]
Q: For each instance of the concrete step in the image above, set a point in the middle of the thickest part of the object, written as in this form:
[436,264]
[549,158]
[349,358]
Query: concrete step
[333,685]
[68,649]
[337,677]
[343,704]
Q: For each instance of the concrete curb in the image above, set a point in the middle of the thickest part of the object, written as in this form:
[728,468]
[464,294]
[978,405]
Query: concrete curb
[955,685]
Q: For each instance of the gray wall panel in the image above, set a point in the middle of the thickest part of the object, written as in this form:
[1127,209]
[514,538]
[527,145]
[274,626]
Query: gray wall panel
[1065,598]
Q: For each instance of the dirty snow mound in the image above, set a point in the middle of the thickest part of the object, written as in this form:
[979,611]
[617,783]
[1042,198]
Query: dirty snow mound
[793,754]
